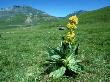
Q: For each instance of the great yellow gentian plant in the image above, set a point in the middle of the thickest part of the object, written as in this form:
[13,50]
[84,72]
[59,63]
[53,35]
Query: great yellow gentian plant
[62,60]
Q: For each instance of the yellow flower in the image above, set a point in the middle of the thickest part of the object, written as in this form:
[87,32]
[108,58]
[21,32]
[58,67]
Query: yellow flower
[73,19]
[69,37]
[70,34]
[71,26]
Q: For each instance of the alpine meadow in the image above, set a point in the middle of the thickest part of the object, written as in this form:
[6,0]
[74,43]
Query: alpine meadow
[26,38]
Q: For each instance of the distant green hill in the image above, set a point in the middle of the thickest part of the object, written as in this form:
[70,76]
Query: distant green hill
[100,15]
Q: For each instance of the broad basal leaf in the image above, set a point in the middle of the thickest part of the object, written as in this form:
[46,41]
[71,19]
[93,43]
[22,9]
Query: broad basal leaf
[55,57]
[76,68]
[58,73]
[71,59]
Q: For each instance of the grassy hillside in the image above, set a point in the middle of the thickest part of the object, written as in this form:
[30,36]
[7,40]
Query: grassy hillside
[24,50]
[100,15]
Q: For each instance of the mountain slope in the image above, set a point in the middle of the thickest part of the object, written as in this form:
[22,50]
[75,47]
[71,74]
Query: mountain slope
[18,15]
[76,13]
[100,15]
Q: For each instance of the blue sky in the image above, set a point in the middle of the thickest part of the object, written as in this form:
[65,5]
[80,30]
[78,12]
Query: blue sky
[58,8]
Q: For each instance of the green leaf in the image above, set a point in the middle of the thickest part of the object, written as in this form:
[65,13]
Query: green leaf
[54,51]
[76,68]
[71,59]
[73,64]
[58,73]
[76,49]
[55,57]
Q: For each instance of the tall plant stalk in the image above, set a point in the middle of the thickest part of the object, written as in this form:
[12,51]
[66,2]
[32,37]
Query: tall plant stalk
[62,60]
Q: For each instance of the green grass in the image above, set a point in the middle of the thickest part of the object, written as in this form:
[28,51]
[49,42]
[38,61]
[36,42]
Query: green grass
[24,50]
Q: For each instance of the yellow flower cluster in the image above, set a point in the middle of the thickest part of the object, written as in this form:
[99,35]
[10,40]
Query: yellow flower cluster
[73,21]
[69,37]
[71,26]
